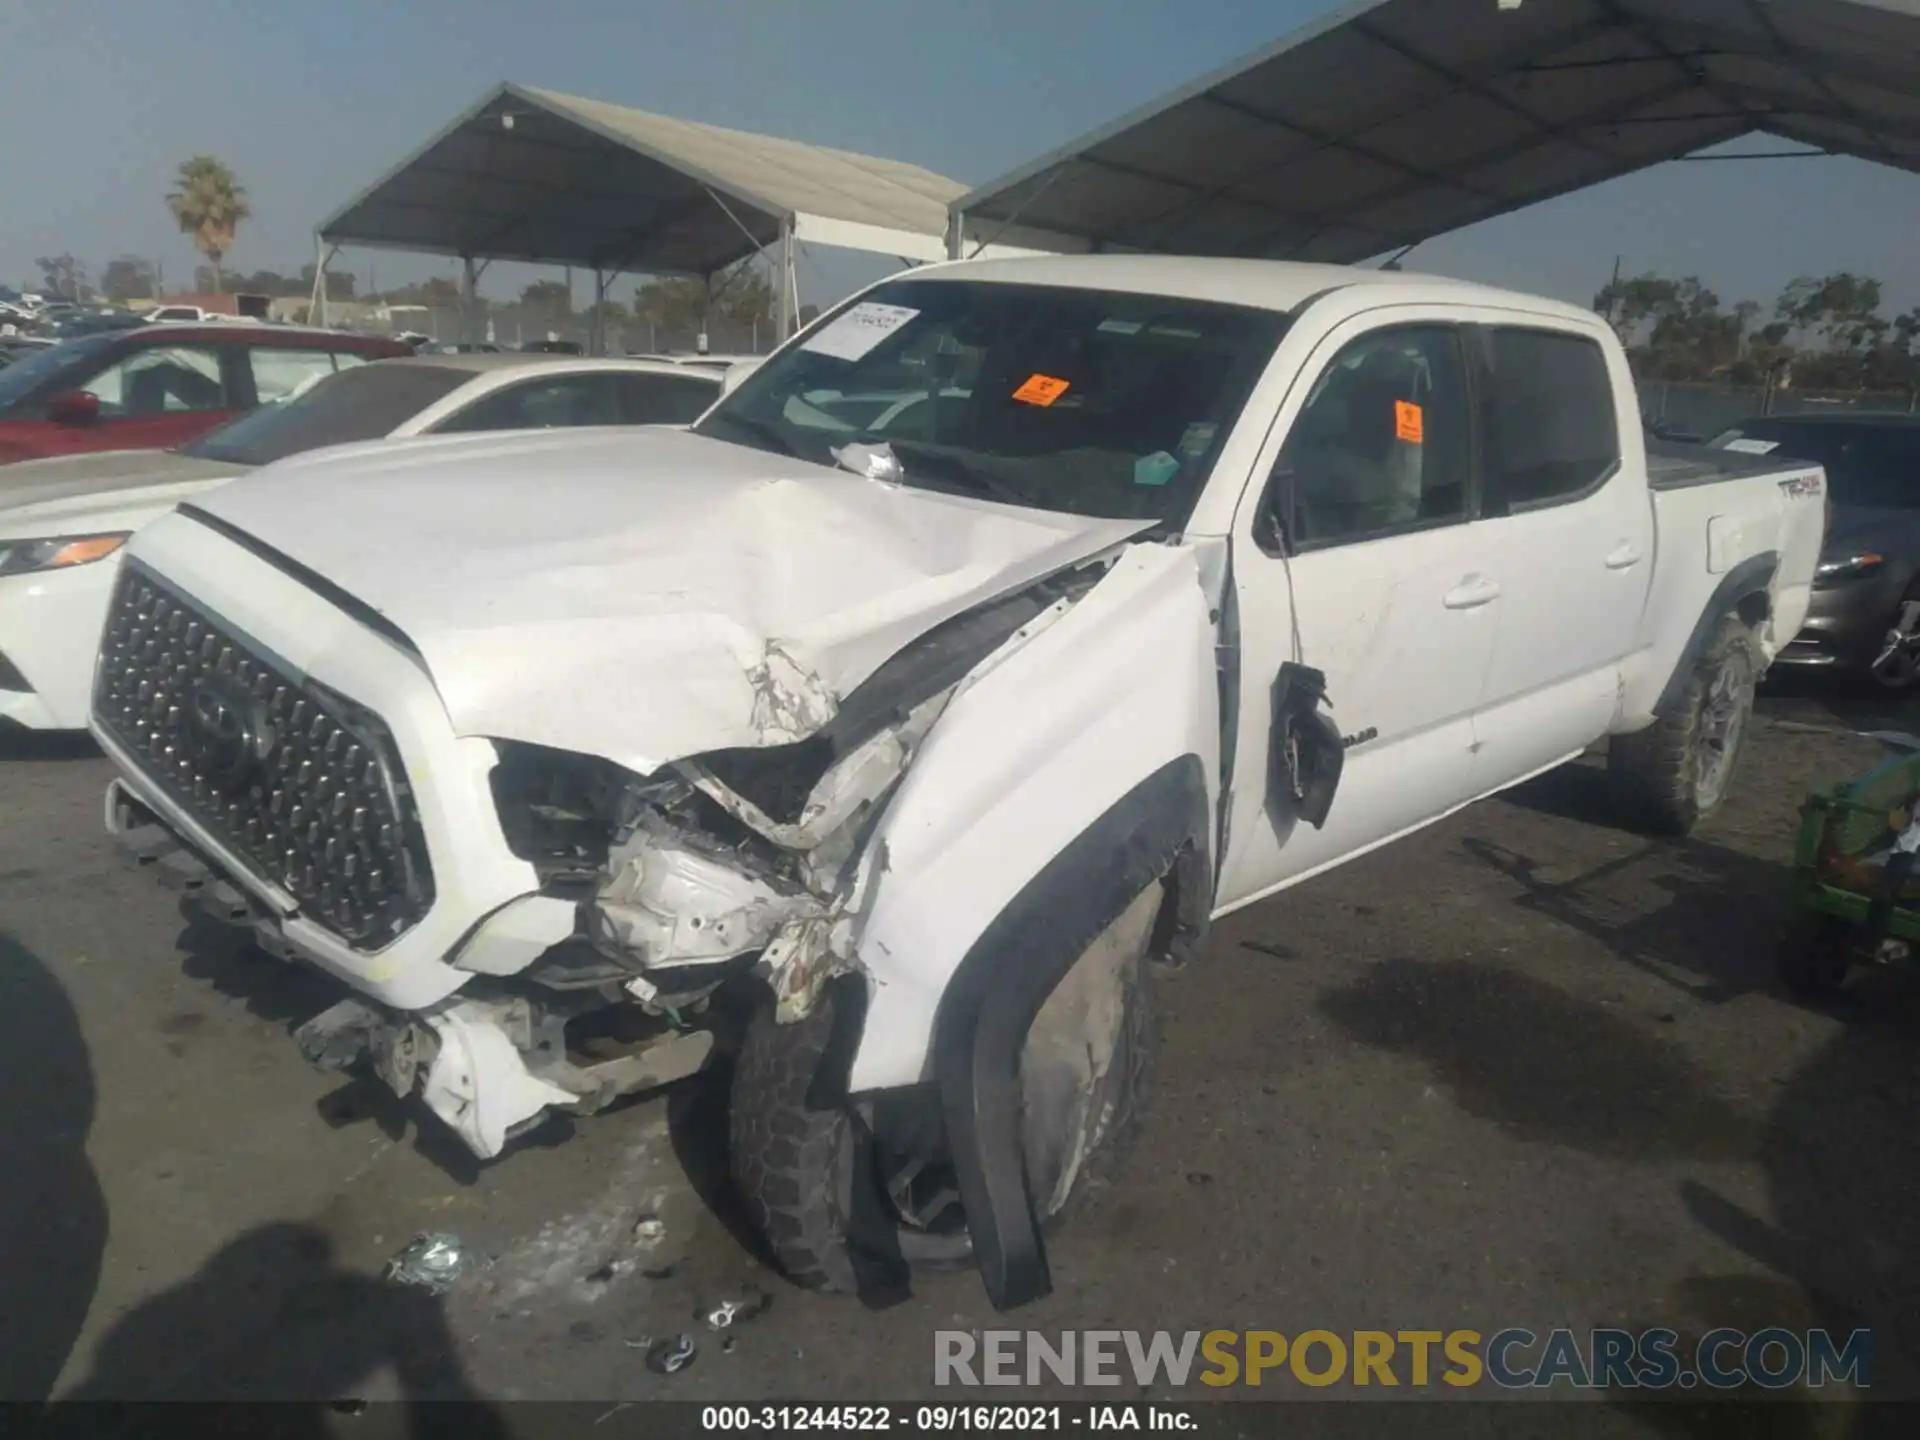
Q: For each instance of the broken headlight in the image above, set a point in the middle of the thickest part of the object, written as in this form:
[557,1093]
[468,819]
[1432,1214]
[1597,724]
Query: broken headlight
[561,812]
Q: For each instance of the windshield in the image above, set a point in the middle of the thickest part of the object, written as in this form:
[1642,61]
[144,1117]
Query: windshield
[367,402]
[1093,403]
[1875,464]
[28,372]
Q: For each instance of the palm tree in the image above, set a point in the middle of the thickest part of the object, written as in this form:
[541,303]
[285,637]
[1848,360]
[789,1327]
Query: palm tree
[208,203]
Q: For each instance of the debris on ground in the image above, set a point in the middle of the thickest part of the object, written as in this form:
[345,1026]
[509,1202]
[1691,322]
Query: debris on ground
[433,1262]
[649,1231]
[749,1304]
[671,1354]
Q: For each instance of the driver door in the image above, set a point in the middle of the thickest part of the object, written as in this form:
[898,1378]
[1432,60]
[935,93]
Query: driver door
[1360,556]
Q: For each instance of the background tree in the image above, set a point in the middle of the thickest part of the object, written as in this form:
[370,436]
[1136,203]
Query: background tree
[63,275]
[126,277]
[208,203]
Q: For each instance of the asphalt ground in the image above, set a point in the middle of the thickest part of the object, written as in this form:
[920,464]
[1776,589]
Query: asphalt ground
[1524,1069]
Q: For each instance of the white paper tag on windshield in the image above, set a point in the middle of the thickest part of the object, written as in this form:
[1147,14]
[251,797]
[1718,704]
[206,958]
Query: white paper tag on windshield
[852,335]
[1751,447]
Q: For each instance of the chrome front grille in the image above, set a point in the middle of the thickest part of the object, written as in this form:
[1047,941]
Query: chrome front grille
[303,786]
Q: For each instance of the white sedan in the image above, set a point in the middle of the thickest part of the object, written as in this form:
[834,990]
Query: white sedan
[63,522]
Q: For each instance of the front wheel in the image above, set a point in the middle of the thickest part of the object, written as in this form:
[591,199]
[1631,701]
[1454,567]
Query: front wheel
[824,1179]
[1672,775]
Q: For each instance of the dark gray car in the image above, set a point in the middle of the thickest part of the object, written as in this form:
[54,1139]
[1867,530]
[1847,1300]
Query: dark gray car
[1866,593]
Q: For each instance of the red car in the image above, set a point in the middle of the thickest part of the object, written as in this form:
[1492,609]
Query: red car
[161,385]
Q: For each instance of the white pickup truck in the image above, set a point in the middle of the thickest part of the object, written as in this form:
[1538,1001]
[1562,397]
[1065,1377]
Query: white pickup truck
[1008,625]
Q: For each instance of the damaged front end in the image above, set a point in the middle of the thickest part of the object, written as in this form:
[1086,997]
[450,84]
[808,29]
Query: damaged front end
[657,891]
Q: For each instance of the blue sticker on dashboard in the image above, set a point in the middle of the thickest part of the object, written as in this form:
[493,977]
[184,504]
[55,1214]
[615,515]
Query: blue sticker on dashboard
[1155,469]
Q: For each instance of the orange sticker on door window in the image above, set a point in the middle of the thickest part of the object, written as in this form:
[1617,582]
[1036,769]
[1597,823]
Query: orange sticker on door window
[1408,423]
[1040,390]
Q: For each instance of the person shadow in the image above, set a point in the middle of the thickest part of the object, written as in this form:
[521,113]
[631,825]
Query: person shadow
[53,1214]
[273,1322]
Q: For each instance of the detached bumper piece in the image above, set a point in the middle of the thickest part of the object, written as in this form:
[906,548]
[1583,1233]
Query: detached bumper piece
[491,1067]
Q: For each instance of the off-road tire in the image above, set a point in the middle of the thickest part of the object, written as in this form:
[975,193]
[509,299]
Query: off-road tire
[1652,773]
[793,1160]
[1815,956]
[797,1161]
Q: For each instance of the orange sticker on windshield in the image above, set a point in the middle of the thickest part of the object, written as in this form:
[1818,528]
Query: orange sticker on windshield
[1408,423]
[1040,390]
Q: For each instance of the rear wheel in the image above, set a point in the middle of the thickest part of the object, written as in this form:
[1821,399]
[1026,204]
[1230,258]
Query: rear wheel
[1672,775]
[823,1179]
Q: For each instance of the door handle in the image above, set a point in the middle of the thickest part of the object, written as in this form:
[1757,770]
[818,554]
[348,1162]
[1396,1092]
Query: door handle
[1623,556]
[1471,593]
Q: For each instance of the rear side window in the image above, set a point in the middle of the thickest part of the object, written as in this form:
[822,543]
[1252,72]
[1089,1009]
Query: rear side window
[555,402]
[1551,431]
[279,374]
[664,399]
[368,402]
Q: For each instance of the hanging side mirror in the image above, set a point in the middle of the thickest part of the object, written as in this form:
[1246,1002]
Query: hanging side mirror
[1305,753]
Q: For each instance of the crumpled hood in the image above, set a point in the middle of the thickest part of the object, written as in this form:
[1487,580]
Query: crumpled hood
[104,473]
[644,596]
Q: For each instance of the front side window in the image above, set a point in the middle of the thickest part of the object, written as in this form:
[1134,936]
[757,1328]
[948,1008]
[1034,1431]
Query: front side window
[1083,401]
[164,380]
[1551,429]
[1383,443]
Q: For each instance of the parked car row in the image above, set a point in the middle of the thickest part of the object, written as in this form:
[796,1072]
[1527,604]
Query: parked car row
[63,522]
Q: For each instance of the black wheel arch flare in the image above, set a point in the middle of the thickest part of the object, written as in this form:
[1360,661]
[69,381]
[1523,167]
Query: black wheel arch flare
[1160,825]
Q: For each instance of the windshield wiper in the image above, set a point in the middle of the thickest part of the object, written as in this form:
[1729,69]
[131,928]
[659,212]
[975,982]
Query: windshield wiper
[760,430]
[951,467]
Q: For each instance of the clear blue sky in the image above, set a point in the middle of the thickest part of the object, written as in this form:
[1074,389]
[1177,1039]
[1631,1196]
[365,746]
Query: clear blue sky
[100,100]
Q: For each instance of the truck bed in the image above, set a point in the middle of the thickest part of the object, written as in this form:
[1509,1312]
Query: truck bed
[1674,465]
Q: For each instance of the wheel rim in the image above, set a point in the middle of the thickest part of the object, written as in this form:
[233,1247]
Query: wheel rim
[1723,722]
[1898,664]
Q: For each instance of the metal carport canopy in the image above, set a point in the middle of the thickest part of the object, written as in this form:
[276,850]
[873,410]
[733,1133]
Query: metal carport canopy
[1393,121]
[537,176]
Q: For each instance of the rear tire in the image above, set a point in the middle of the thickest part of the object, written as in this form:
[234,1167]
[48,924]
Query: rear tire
[1670,776]
[806,1166]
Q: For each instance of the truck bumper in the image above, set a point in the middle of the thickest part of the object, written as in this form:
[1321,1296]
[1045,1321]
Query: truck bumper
[491,1065]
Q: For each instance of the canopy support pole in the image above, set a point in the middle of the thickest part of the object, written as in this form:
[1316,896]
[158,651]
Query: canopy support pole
[470,273]
[597,337]
[785,291]
[323,254]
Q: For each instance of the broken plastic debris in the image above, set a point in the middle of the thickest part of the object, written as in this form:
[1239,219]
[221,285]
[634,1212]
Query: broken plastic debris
[649,1230]
[433,1262]
[674,1353]
[752,1301]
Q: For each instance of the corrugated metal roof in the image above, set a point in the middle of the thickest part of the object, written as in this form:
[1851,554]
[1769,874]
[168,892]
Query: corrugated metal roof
[533,174]
[1392,121]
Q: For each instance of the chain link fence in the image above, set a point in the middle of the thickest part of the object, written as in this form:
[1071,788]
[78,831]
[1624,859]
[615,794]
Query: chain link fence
[1704,410]
[512,326]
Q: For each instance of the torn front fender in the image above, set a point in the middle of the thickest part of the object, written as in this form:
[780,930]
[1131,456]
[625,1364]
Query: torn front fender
[1077,771]
[1027,754]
